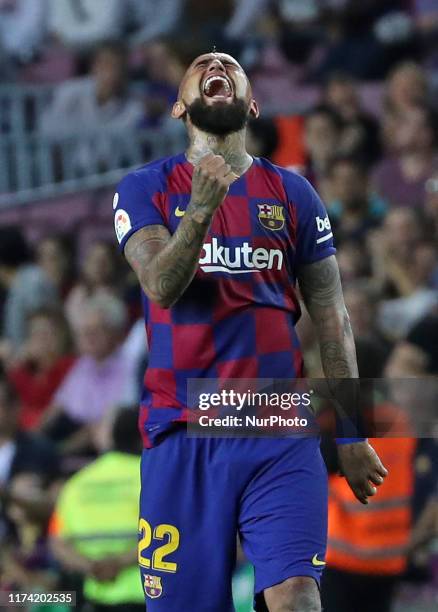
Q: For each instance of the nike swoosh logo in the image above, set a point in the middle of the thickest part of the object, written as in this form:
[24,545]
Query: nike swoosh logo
[179,213]
[317,562]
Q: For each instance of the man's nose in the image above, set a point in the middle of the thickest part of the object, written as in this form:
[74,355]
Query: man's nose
[216,65]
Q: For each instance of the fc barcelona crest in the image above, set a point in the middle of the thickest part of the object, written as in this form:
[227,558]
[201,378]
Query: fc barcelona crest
[271,216]
[152,586]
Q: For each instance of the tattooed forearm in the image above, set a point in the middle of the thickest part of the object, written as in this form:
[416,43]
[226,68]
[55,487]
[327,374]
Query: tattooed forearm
[166,264]
[322,293]
[321,289]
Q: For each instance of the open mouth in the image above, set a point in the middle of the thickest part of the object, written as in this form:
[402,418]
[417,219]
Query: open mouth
[217,87]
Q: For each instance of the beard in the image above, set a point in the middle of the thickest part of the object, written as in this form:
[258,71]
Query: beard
[219,119]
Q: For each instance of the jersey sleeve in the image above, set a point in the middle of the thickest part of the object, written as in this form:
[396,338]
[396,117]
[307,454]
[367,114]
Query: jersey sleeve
[135,204]
[314,232]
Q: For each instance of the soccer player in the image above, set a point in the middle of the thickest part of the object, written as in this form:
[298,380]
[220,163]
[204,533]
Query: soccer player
[218,240]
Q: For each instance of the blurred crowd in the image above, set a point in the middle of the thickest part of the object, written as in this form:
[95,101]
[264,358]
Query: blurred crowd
[118,64]
[73,348]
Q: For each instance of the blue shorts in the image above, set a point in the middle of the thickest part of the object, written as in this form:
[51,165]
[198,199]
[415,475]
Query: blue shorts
[198,494]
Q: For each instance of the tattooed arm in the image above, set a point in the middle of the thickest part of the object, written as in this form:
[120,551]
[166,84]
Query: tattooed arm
[320,286]
[165,264]
[321,289]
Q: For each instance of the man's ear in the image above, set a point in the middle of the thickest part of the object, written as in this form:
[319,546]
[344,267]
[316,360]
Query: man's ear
[178,110]
[254,109]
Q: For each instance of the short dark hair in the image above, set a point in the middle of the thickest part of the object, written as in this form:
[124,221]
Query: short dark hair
[125,433]
[14,249]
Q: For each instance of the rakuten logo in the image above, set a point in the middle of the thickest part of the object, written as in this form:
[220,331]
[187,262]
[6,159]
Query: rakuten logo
[238,260]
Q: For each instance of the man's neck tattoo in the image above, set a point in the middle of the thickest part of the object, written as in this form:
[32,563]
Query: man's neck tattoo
[231,148]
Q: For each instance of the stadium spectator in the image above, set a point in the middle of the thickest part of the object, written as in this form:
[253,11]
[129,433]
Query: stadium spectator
[413,365]
[100,104]
[159,72]
[23,25]
[323,129]
[397,317]
[42,363]
[400,178]
[26,559]
[352,263]
[367,546]
[94,527]
[355,209]
[82,26]
[391,249]
[54,255]
[103,376]
[21,453]
[406,89]
[399,314]
[362,302]
[348,44]
[26,287]
[296,37]
[99,276]
[360,133]
[418,354]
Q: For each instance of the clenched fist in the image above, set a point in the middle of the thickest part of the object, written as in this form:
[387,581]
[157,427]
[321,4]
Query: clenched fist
[212,178]
[362,468]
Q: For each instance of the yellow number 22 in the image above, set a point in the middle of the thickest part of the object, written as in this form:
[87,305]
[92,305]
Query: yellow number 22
[160,532]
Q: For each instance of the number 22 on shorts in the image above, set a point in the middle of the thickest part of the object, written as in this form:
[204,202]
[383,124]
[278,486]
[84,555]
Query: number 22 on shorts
[160,532]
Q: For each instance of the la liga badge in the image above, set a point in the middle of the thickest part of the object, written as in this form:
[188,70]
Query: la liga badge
[122,224]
